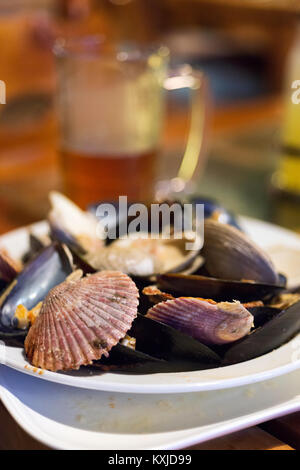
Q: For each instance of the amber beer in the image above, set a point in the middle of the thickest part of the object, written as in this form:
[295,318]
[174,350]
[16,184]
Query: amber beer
[111,103]
[99,177]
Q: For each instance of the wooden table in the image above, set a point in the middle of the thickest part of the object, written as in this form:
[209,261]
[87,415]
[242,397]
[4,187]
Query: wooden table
[279,434]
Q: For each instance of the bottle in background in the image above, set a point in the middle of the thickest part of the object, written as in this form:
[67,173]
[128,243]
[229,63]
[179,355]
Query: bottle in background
[286,181]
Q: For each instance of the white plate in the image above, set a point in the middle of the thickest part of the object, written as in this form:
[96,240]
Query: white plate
[64,417]
[278,362]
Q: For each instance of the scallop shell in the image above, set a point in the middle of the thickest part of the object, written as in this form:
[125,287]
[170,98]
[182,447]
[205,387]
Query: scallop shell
[209,323]
[81,320]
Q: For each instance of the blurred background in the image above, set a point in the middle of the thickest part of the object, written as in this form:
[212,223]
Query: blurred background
[249,49]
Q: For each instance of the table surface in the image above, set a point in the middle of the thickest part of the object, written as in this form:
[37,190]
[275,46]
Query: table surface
[28,169]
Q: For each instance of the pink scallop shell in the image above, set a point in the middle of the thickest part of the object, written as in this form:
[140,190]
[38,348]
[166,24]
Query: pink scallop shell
[81,320]
[209,323]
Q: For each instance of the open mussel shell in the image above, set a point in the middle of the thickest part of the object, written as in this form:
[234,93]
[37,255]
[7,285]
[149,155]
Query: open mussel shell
[273,334]
[210,323]
[164,342]
[31,286]
[129,361]
[80,262]
[36,245]
[216,289]
[81,320]
[230,254]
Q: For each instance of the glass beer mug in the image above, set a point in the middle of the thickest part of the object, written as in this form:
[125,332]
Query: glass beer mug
[111,107]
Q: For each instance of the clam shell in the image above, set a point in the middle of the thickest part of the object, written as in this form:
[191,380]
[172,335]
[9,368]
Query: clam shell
[145,257]
[9,268]
[70,225]
[230,254]
[81,320]
[209,323]
[127,257]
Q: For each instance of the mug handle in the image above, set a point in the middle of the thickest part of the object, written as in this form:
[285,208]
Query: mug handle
[195,151]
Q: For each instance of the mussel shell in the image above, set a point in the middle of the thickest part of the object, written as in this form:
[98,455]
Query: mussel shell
[122,358]
[263,314]
[36,245]
[47,270]
[230,254]
[81,263]
[11,334]
[164,342]
[273,334]
[59,234]
[216,289]
[130,361]
[212,209]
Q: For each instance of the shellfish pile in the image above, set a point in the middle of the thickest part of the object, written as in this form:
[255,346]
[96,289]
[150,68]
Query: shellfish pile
[143,305]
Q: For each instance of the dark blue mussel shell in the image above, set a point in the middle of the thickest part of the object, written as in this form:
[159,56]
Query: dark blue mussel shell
[191,285]
[280,329]
[214,209]
[44,272]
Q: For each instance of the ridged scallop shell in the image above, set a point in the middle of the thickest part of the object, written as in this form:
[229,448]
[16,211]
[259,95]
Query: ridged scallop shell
[209,323]
[9,268]
[81,320]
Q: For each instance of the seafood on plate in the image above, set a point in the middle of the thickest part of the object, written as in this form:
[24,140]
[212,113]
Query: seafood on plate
[30,287]
[138,304]
[138,255]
